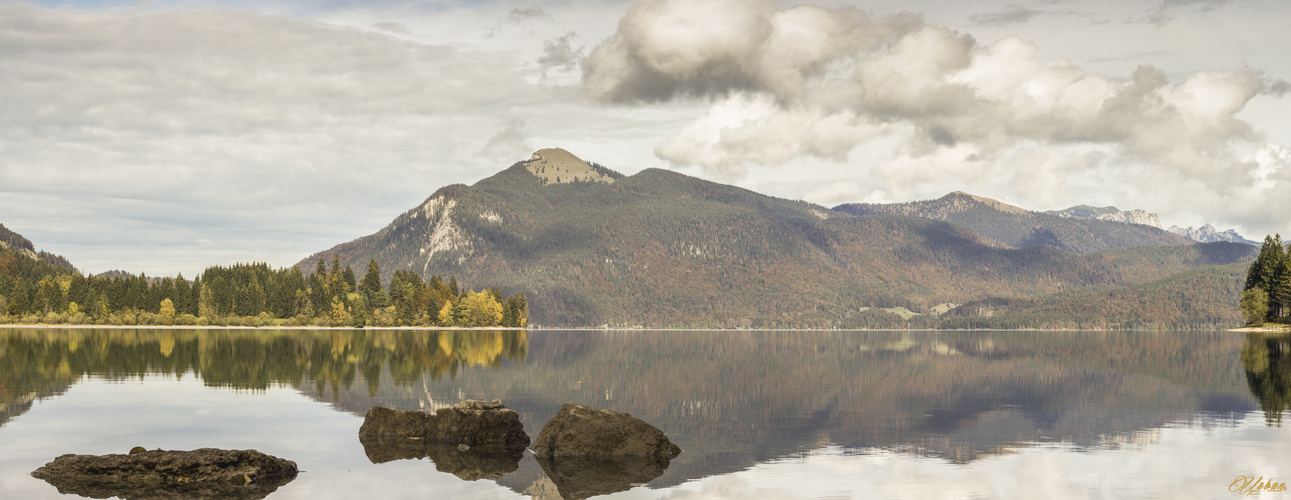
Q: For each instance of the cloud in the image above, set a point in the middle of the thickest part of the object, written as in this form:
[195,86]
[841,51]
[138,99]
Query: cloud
[509,144]
[665,49]
[815,82]
[1165,11]
[753,129]
[519,15]
[391,27]
[1010,15]
[559,53]
[161,130]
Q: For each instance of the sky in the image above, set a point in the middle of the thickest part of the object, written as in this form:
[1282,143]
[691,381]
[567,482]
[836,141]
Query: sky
[165,136]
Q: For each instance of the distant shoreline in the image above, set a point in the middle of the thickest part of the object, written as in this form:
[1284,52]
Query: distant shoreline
[1263,329]
[266,327]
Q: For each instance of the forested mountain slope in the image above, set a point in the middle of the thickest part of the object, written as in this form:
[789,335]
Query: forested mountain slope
[1021,228]
[660,248]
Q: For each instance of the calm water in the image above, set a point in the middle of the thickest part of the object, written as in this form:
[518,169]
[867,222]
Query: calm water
[757,414]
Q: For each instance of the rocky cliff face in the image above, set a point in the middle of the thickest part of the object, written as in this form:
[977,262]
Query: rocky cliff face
[1110,214]
[1203,234]
[1208,234]
[1135,216]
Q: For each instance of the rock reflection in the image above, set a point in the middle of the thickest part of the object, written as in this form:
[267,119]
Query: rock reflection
[470,465]
[579,478]
[128,491]
[1268,373]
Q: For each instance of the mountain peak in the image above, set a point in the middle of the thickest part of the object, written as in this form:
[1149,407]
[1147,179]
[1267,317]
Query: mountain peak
[995,204]
[555,166]
[1111,214]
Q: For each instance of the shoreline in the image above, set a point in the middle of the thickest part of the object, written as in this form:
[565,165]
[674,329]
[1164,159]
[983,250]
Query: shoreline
[1263,329]
[1276,328]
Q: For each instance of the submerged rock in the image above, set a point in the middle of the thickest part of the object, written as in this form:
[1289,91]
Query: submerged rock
[484,427]
[200,473]
[586,432]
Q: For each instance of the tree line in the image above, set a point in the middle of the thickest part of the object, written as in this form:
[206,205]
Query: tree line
[252,295]
[1267,294]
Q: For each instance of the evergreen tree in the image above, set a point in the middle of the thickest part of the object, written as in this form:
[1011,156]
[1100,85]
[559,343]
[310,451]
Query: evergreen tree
[452,287]
[434,305]
[19,297]
[1266,273]
[183,294]
[79,291]
[318,295]
[372,280]
[348,278]
[1254,305]
[1282,287]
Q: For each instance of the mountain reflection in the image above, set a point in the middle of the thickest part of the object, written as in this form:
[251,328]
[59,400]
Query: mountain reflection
[1267,360]
[730,399]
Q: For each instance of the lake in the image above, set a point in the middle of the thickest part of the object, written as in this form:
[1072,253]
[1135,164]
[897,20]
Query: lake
[758,414]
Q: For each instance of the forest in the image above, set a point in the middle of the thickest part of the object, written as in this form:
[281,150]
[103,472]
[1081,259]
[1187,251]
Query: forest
[1267,294]
[37,291]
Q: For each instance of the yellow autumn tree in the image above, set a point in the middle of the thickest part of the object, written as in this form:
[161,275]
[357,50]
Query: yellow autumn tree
[167,311]
[340,316]
[484,310]
[446,314]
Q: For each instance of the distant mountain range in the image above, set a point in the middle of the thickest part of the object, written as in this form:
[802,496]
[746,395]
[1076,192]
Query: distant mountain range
[593,247]
[1204,234]
[1208,234]
[1019,228]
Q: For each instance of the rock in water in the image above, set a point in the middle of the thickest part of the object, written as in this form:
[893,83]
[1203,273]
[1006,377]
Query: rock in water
[586,432]
[484,427]
[588,452]
[200,473]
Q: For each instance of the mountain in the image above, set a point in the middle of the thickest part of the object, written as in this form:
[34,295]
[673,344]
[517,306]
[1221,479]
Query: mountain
[1020,228]
[660,248]
[1204,234]
[1208,234]
[15,242]
[1112,214]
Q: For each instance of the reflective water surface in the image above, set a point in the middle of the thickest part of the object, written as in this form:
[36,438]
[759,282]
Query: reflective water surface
[757,414]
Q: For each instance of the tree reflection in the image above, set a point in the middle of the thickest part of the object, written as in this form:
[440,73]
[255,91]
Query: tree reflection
[1268,373]
[38,363]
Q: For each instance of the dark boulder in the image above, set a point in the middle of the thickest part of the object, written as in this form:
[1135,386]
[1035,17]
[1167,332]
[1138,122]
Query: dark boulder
[200,473]
[586,432]
[483,427]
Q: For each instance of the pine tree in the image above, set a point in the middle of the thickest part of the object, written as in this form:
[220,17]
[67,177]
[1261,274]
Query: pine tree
[1266,273]
[1282,288]
[318,295]
[348,278]
[372,280]
[79,291]
[183,294]
[436,303]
